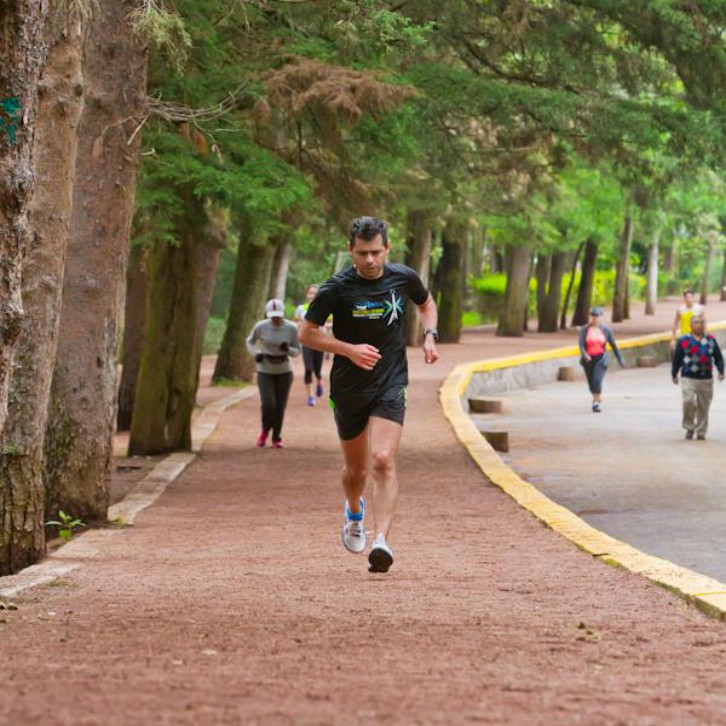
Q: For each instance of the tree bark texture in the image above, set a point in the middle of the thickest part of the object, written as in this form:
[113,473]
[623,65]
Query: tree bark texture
[22,503]
[418,257]
[280,268]
[587,279]
[541,275]
[451,292]
[137,284]
[168,378]
[669,260]
[22,55]
[547,322]
[254,261]
[516,297]
[706,273]
[570,285]
[622,271]
[83,405]
[651,291]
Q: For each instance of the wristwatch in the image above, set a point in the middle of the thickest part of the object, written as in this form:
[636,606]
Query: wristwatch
[432,331]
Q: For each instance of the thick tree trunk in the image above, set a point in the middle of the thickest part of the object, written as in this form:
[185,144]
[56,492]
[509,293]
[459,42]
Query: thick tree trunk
[548,319]
[706,273]
[280,267]
[22,55]
[516,298]
[570,285]
[254,261]
[137,283]
[166,388]
[418,257]
[83,406]
[622,271]
[22,503]
[450,305]
[651,290]
[587,279]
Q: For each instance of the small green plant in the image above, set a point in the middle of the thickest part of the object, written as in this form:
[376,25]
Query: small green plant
[67,525]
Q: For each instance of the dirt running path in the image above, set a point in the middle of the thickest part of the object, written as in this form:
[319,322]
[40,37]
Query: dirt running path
[232,602]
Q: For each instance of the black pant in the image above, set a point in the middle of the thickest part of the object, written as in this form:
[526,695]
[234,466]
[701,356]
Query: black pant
[313,360]
[274,389]
[595,370]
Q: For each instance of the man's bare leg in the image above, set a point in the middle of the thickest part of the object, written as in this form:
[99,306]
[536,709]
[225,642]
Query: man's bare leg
[385,437]
[355,469]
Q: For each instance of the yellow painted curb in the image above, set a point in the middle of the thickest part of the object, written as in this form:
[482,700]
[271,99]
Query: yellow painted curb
[707,594]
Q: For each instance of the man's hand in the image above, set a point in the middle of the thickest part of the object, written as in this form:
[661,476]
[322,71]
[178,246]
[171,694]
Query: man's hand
[285,346]
[259,358]
[364,356]
[431,355]
[672,344]
[675,380]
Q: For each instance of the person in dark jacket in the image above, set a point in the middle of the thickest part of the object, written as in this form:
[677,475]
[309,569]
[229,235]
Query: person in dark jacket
[594,339]
[695,356]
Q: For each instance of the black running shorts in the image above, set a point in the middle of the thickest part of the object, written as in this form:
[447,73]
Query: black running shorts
[353,411]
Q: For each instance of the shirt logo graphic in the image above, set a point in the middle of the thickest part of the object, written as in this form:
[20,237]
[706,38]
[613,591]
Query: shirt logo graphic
[373,310]
[393,308]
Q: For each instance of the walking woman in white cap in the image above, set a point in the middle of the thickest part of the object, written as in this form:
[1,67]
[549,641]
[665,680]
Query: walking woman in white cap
[273,341]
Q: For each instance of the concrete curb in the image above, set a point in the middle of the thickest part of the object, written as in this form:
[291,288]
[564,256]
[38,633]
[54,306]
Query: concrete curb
[90,544]
[705,593]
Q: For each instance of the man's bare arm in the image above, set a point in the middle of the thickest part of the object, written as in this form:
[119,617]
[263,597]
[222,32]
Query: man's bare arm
[363,355]
[429,316]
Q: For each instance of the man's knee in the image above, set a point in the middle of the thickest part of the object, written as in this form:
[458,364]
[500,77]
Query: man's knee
[383,461]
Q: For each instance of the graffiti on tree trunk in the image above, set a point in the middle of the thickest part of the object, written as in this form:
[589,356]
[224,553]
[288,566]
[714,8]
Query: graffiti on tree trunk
[10,115]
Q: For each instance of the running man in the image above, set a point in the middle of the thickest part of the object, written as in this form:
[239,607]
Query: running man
[370,374]
[312,359]
[684,313]
[695,357]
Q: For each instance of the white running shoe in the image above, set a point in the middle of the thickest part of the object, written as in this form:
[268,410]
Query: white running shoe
[353,534]
[380,557]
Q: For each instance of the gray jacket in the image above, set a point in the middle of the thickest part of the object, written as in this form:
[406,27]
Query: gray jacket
[270,340]
[608,339]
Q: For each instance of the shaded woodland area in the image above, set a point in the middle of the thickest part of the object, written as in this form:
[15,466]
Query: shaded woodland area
[166,162]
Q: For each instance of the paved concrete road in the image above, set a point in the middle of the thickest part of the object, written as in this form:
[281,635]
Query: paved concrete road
[628,471]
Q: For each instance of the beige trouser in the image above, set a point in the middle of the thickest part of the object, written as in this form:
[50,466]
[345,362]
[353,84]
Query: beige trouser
[697,395]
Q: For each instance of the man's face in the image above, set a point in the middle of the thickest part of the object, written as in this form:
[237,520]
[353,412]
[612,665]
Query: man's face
[369,256]
[688,297]
[697,325]
[311,293]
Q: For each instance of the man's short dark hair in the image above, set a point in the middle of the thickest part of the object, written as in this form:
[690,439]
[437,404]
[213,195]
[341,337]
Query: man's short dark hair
[367,228]
[689,292]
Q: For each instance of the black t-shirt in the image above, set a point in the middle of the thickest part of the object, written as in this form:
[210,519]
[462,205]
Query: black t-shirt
[373,312]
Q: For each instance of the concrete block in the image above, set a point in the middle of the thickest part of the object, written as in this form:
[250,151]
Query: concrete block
[568,373]
[485,405]
[647,361]
[498,440]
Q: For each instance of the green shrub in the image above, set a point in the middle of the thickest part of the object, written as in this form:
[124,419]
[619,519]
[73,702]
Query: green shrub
[213,335]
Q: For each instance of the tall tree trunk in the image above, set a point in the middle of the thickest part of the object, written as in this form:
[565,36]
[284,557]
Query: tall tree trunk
[541,274]
[418,257]
[137,283]
[587,279]
[83,398]
[669,260]
[548,319]
[570,285]
[706,273]
[280,267]
[516,298]
[169,373]
[723,278]
[209,256]
[496,261]
[651,291]
[476,265]
[622,270]
[22,502]
[452,260]
[254,261]
[22,55]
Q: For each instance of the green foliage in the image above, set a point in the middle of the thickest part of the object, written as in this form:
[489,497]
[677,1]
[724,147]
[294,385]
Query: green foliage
[67,525]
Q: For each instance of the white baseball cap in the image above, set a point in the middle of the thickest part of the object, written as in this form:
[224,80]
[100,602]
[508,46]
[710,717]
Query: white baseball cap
[275,308]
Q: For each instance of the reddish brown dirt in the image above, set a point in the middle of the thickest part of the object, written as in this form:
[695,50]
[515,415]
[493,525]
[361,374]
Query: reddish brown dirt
[231,601]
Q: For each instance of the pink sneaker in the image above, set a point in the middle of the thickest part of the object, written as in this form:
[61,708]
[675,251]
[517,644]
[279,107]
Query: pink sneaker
[261,439]
[277,444]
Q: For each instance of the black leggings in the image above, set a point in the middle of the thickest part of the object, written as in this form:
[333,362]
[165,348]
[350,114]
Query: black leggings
[274,390]
[595,370]
[313,360]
